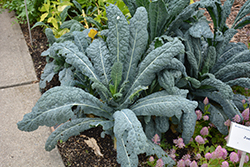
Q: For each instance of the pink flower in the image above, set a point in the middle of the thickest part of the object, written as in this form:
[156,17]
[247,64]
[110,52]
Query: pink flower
[204,131]
[199,114]
[193,164]
[245,114]
[236,118]
[246,158]
[208,156]
[198,156]
[159,163]
[206,117]
[219,153]
[199,139]
[247,123]
[156,139]
[234,157]
[186,156]
[206,101]
[179,142]
[187,162]
[225,164]
[181,163]
[227,123]
[243,101]
[151,159]
[172,153]
[224,155]
[204,165]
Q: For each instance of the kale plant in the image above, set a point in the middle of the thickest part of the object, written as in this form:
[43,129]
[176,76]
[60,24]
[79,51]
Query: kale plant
[119,68]
[213,64]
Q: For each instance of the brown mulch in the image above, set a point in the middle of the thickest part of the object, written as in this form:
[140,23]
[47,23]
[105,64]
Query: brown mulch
[75,152]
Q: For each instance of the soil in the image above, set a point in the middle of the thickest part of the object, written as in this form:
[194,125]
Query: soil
[75,152]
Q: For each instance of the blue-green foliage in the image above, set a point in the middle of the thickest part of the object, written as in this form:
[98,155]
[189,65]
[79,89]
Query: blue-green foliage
[215,63]
[118,68]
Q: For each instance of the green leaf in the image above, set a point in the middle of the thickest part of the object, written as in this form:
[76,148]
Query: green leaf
[242,23]
[163,105]
[39,24]
[76,58]
[228,106]
[233,71]
[157,19]
[201,29]
[116,75]
[118,36]
[73,128]
[55,107]
[244,10]
[138,40]
[209,60]
[185,14]
[64,13]
[50,36]
[243,82]
[156,61]
[223,88]
[43,16]
[78,6]
[66,77]
[131,4]
[130,137]
[47,74]
[99,55]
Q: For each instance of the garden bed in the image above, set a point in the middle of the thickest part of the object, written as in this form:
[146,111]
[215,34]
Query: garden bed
[75,152]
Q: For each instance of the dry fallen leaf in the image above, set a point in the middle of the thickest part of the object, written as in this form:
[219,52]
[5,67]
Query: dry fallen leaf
[91,142]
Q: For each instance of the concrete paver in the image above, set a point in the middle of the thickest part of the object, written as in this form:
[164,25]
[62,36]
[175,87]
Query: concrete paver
[16,66]
[17,97]
[18,148]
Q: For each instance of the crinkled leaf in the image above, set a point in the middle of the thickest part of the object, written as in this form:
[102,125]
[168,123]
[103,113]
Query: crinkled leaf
[131,4]
[201,29]
[118,36]
[81,39]
[243,82]
[50,36]
[76,58]
[210,59]
[157,19]
[55,107]
[223,88]
[242,23]
[156,61]
[130,137]
[47,74]
[228,35]
[184,15]
[230,50]
[233,71]
[162,124]
[188,124]
[228,106]
[66,77]
[226,11]
[137,43]
[99,55]
[73,128]
[167,80]
[163,105]
[244,10]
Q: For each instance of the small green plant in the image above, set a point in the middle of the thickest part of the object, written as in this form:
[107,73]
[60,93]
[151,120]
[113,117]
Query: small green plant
[19,7]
